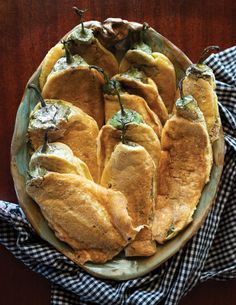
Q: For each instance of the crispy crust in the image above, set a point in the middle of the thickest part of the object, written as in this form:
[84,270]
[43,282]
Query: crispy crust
[141,134]
[127,168]
[156,66]
[206,98]
[59,159]
[79,131]
[185,166]
[95,54]
[49,61]
[80,86]
[148,91]
[91,219]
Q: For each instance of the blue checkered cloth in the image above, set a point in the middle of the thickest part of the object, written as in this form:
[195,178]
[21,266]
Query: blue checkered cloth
[211,253]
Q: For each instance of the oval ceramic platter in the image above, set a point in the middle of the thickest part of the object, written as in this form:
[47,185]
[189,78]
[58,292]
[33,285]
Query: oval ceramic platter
[119,268]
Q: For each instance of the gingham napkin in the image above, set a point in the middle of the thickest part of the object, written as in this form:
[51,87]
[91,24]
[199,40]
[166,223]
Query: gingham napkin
[210,254]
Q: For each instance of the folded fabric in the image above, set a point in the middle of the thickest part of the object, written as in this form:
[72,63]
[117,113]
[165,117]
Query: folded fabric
[211,253]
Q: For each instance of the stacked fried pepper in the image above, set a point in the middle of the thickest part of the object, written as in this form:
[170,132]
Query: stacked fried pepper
[117,163]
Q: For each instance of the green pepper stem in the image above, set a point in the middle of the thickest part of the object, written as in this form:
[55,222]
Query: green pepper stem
[99,69]
[142,32]
[35,88]
[123,131]
[181,88]
[45,143]
[123,113]
[113,84]
[119,100]
[80,13]
[206,52]
[69,57]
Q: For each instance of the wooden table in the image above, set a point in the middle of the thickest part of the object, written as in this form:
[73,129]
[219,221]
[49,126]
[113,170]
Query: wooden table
[28,30]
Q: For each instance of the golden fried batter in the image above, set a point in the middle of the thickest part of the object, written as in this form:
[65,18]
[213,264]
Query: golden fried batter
[67,124]
[95,54]
[203,92]
[132,171]
[49,61]
[156,66]
[79,85]
[141,134]
[90,218]
[135,83]
[56,157]
[185,165]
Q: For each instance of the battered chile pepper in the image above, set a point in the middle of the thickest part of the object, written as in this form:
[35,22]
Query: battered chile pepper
[136,82]
[84,43]
[200,83]
[70,79]
[130,101]
[186,159]
[142,169]
[62,122]
[155,65]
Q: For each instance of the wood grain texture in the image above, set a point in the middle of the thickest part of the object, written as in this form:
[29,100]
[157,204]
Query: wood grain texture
[28,28]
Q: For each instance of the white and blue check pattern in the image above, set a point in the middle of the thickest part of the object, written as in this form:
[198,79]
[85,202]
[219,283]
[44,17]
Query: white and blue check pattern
[211,253]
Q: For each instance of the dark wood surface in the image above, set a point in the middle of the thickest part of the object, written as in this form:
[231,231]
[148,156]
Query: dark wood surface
[27,30]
